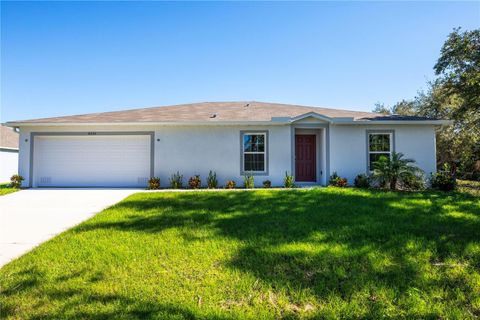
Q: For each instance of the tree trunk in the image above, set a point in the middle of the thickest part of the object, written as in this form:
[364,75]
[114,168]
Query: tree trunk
[393,184]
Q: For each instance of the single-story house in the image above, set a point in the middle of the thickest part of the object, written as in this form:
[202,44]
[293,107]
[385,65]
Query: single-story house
[8,153]
[126,148]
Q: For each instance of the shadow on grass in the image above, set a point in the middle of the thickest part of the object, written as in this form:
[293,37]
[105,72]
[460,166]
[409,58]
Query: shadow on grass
[335,243]
[400,227]
[83,302]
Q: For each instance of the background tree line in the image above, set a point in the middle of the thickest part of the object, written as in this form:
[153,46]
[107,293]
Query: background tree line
[454,94]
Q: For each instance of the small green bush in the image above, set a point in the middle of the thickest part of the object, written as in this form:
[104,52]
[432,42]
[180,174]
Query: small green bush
[248,182]
[16,181]
[212,181]
[267,184]
[337,181]
[362,181]
[443,180]
[176,181]
[288,181]
[230,184]
[413,182]
[154,183]
[195,182]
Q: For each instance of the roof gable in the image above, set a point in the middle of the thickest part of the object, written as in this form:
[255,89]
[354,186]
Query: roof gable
[311,117]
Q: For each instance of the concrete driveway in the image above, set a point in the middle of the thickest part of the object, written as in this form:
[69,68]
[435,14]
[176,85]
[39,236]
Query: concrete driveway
[30,217]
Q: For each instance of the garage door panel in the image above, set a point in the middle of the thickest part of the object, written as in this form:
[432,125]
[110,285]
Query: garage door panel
[96,161]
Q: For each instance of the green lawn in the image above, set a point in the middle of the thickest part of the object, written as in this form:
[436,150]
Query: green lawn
[321,253]
[6,189]
[468,186]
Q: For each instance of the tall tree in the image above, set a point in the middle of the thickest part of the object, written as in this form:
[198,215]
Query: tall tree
[454,94]
[459,68]
[404,108]
[382,108]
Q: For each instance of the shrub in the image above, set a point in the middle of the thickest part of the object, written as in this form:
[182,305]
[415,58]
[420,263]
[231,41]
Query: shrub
[362,181]
[288,181]
[337,181]
[212,181]
[248,182]
[333,178]
[392,171]
[195,182]
[154,183]
[342,182]
[16,181]
[443,180]
[230,184]
[176,181]
[267,184]
[413,182]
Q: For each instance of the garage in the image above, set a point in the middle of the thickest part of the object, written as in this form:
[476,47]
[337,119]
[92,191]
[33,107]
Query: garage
[92,159]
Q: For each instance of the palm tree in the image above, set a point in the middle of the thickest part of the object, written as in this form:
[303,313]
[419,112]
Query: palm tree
[392,170]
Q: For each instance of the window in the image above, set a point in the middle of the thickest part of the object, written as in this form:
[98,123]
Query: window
[379,144]
[254,152]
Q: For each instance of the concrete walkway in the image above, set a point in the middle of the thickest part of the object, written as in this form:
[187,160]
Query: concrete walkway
[30,217]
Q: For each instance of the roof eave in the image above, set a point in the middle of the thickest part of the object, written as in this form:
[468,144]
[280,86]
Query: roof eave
[274,122]
[384,122]
[9,148]
[14,124]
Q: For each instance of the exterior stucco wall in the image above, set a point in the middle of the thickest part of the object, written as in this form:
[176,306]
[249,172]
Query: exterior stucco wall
[191,150]
[348,147]
[8,164]
[198,149]
[24,155]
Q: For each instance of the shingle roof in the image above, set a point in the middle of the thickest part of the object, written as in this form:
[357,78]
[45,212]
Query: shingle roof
[8,138]
[213,112]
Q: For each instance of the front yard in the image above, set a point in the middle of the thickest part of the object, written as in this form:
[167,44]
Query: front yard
[321,253]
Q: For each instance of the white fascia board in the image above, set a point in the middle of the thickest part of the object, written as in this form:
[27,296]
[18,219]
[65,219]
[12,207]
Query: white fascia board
[170,123]
[274,122]
[342,119]
[281,119]
[386,122]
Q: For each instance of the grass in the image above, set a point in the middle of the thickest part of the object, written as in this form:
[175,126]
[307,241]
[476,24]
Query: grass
[468,186]
[6,189]
[321,253]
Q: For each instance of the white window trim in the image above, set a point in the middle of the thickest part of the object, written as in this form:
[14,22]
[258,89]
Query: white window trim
[371,133]
[243,152]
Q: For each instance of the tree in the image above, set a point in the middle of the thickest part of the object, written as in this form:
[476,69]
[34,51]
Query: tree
[458,144]
[454,94]
[390,171]
[459,68]
[382,108]
[404,107]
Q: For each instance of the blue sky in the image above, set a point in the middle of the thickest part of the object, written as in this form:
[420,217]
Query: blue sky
[62,58]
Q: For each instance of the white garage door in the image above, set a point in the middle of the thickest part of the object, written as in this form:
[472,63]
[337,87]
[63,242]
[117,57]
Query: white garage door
[91,161]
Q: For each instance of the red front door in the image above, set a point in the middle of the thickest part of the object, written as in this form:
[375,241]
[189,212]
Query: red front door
[305,158]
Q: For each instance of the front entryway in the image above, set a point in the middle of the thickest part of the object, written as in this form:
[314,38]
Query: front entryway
[305,158]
